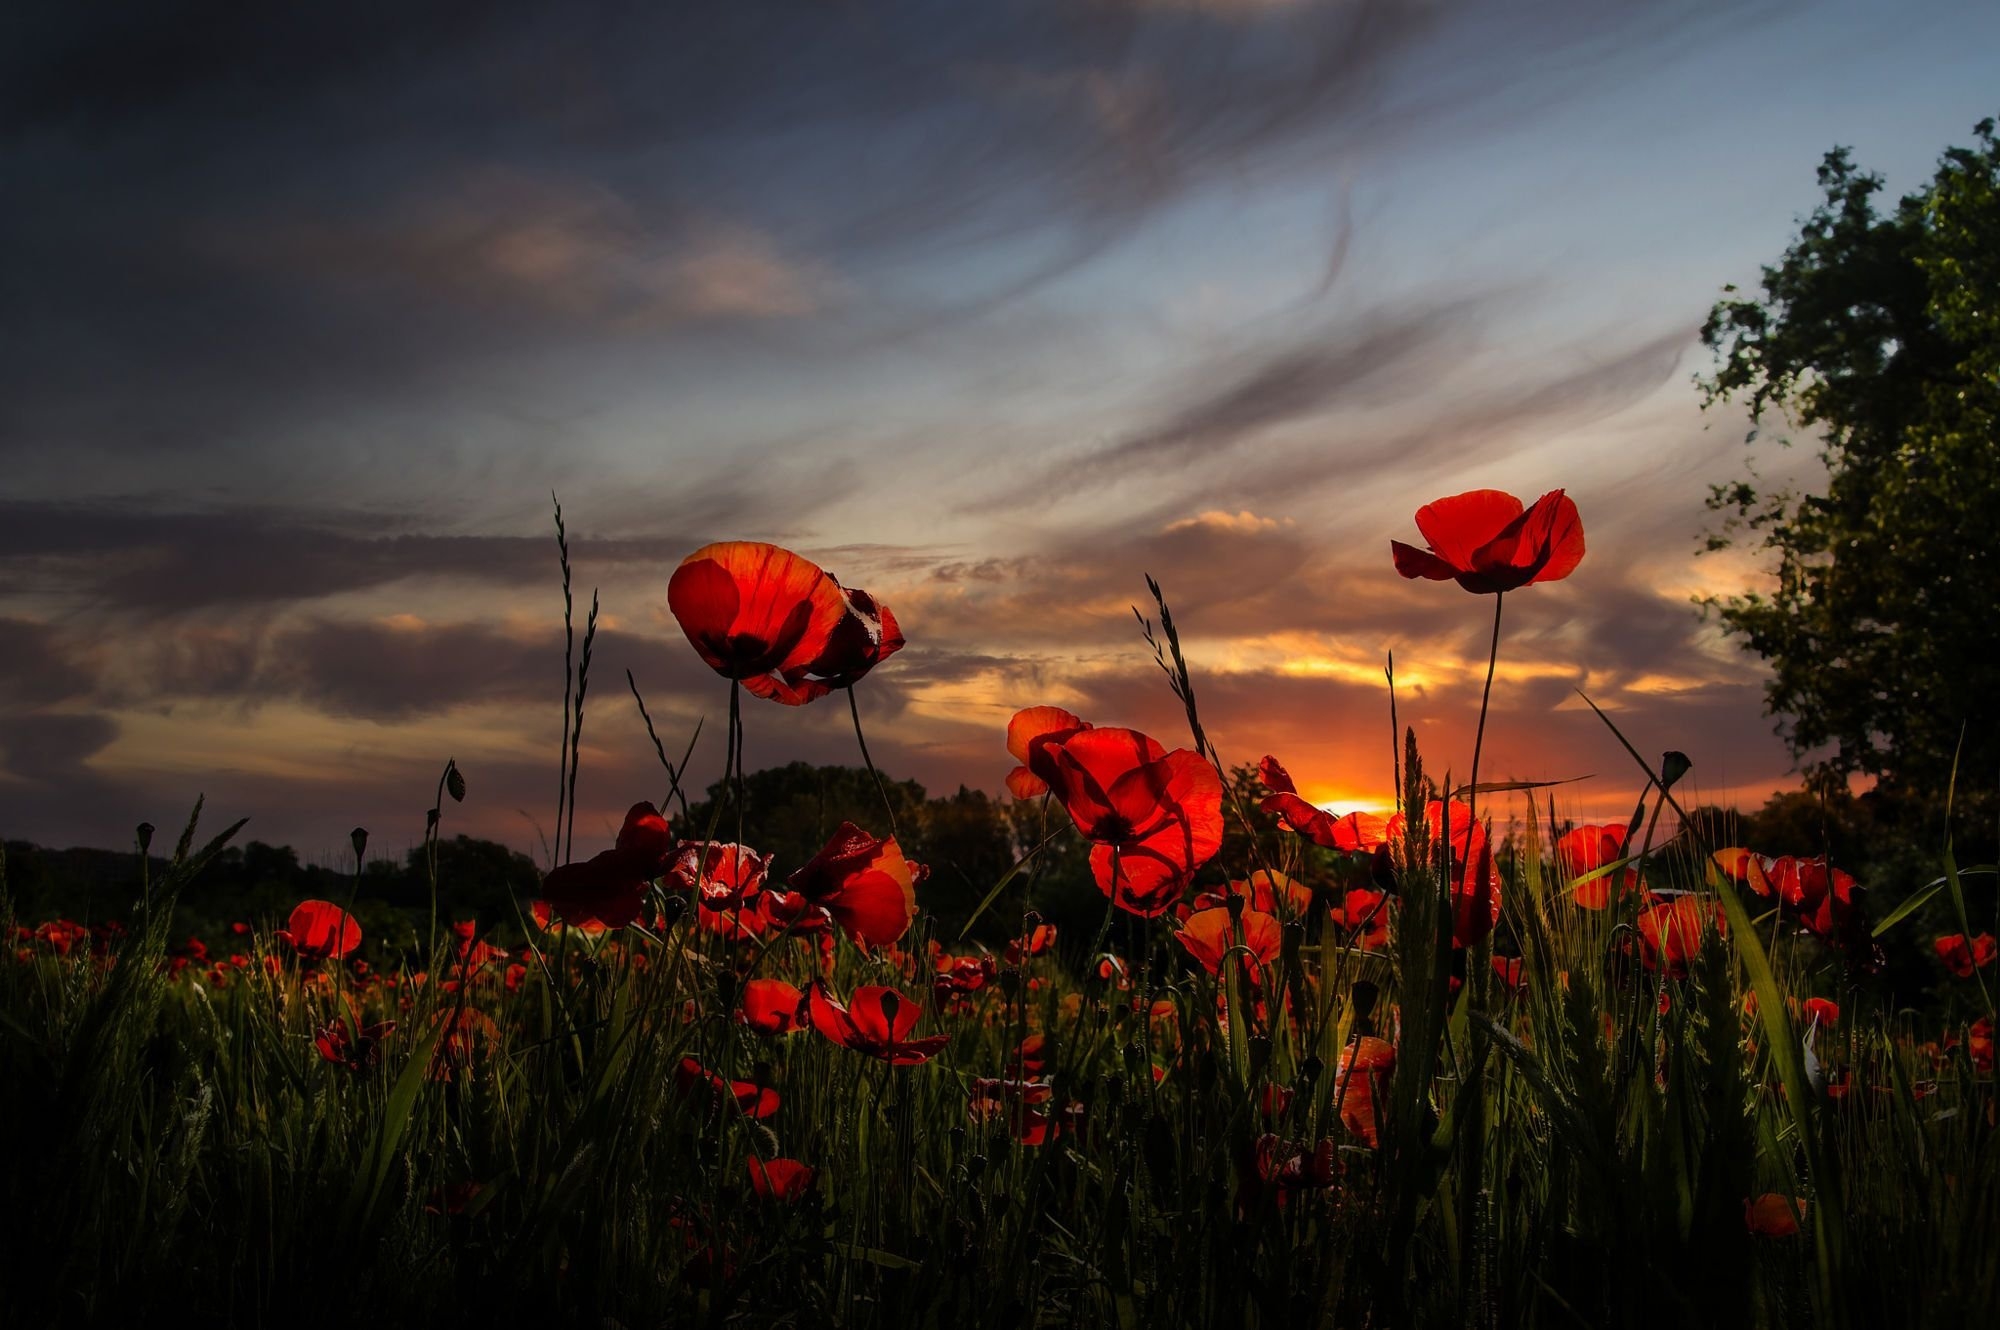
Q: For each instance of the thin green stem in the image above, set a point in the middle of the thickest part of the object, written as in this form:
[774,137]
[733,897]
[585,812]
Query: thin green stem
[854,709]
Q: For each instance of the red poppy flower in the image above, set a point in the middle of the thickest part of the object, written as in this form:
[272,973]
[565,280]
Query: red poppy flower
[753,609]
[721,874]
[1032,1057]
[865,636]
[1273,893]
[1487,543]
[1819,1011]
[745,921]
[876,1021]
[1209,935]
[1290,1165]
[1361,1084]
[755,1101]
[1040,938]
[1018,1102]
[464,1031]
[1508,970]
[1365,913]
[1772,1215]
[1672,929]
[1033,735]
[1155,816]
[1800,883]
[606,890]
[1586,849]
[963,974]
[1475,888]
[863,883]
[356,1049]
[770,1006]
[321,930]
[784,1180]
[1962,957]
[454,1198]
[1353,832]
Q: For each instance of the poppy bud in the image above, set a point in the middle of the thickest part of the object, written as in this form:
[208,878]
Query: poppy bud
[1010,983]
[359,838]
[145,837]
[1309,1071]
[974,1168]
[957,1137]
[431,816]
[1236,906]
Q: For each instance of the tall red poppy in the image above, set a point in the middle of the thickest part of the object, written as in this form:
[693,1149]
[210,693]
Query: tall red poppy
[1273,893]
[607,889]
[353,1046]
[1154,816]
[863,883]
[1486,542]
[720,874]
[876,1021]
[753,1100]
[1962,955]
[784,1180]
[754,609]
[866,635]
[1361,1084]
[1773,1215]
[1353,832]
[1033,735]
[321,930]
[1475,887]
[1364,913]
[770,1006]
[1586,849]
[1019,1102]
[1671,931]
[1209,935]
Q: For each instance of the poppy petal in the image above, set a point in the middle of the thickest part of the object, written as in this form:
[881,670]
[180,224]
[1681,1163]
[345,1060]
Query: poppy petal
[1413,563]
[1457,525]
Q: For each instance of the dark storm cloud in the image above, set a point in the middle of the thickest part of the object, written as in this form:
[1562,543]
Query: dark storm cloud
[35,668]
[1453,422]
[128,557]
[1378,356]
[40,746]
[252,220]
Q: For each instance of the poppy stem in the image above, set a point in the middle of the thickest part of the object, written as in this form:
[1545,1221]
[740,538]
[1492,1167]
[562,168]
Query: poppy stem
[734,761]
[854,709]
[1479,735]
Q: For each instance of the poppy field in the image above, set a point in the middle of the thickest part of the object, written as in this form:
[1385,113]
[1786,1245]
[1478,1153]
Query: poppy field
[1465,1062]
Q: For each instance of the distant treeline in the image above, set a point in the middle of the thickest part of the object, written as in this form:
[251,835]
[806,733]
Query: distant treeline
[968,839]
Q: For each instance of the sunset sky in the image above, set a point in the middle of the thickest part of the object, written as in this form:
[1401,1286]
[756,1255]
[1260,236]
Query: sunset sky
[992,309]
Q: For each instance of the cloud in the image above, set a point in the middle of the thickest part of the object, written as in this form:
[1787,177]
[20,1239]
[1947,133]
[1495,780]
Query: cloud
[138,557]
[324,304]
[561,248]
[35,668]
[40,746]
